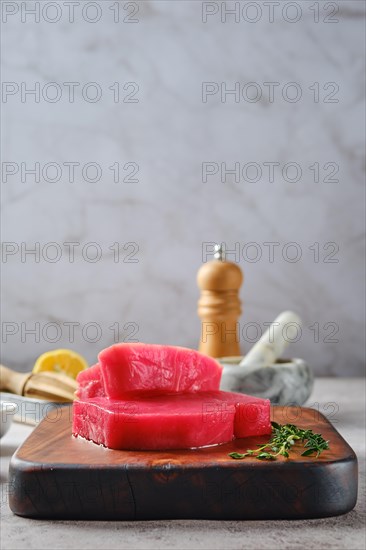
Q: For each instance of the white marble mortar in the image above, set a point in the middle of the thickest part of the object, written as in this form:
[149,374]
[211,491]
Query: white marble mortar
[285,382]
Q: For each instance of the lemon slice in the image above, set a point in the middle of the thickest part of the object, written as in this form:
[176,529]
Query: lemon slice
[63,361]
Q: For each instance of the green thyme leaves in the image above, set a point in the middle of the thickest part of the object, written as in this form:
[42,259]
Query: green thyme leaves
[282,440]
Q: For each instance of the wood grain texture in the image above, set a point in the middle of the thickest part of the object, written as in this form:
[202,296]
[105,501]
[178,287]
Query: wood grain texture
[54,475]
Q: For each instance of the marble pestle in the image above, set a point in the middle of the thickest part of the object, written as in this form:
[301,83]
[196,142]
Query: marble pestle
[262,373]
[273,342]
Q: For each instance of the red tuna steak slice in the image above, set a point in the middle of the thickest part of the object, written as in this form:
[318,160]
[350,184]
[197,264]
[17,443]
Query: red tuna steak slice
[253,416]
[90,383]
[131,367]
[170,421]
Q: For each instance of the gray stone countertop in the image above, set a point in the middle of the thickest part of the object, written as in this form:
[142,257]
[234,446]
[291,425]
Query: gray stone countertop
[341,399]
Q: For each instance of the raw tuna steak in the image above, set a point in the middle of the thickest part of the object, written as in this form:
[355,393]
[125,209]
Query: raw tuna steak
[90,383]
[252,418]
[170,421]
[131,367]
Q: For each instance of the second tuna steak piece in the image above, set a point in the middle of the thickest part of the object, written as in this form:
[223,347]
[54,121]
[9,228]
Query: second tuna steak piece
[90,383]
[157,368]
[170,421]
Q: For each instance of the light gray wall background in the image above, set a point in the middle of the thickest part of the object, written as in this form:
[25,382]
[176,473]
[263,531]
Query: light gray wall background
[161,62]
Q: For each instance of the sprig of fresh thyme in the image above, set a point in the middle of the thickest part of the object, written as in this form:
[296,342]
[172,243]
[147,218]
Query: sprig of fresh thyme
[282,440]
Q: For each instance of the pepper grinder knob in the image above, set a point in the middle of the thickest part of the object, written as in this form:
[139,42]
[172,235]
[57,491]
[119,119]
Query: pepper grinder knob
[219,306]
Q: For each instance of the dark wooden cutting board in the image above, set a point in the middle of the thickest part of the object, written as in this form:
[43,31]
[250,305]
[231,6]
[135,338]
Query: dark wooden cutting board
[54,475]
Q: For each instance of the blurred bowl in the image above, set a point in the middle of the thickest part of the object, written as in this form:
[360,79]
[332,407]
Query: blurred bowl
[286,382]
[7,412]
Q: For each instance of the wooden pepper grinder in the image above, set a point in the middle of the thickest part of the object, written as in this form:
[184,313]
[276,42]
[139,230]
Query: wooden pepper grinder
[219,306]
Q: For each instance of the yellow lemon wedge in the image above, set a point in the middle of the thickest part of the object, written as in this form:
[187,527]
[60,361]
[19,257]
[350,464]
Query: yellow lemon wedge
[64,361]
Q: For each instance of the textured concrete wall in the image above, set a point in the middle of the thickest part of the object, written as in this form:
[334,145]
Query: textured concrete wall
[144,94]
